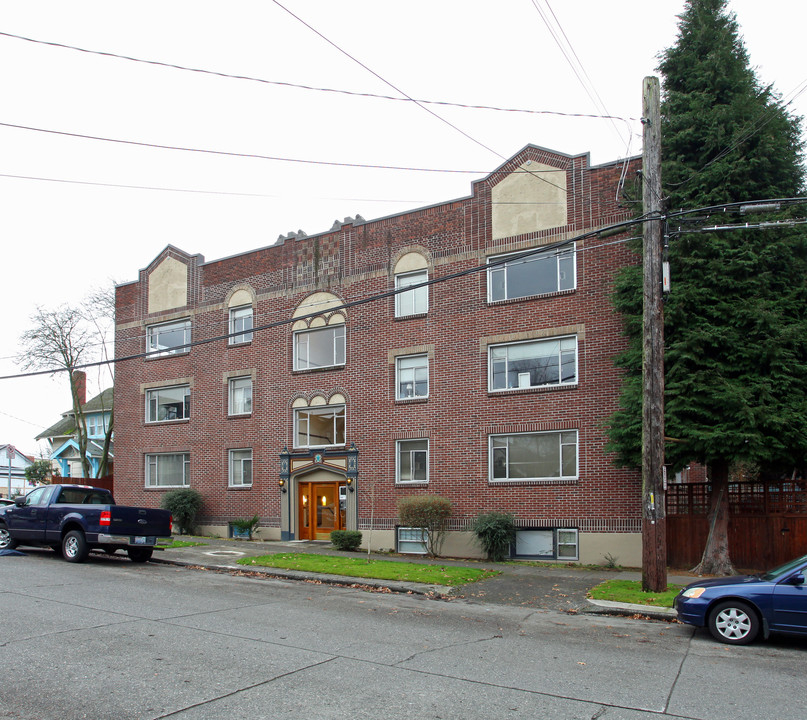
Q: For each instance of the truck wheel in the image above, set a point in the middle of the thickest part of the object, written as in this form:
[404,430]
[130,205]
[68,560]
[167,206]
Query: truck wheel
[6,541]
[140,555]
[74,547]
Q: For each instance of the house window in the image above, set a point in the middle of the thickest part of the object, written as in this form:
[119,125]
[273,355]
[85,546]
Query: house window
[167,470]
[240,468]
[545,272]
[320,426]
[548,543]
[319,348]
[241,324]
[533,364]
[533,456]
[95,425]
[412,461]
[412,302]
[169,338]
[412,541]
[240,396]
[168,403]
[412,377]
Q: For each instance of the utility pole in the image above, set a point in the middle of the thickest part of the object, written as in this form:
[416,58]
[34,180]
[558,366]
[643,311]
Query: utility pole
[654,525]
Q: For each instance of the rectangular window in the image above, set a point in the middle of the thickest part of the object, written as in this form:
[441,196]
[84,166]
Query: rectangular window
[412,377]
[533,456]
[169,338]
[319,348]
[240,396]
[412,302]
[168,403]
[168,470]
[412,461]
[549,543]
[241,324]
[533,364]
[545,272]
[320,426]
[412,541]
[240,468]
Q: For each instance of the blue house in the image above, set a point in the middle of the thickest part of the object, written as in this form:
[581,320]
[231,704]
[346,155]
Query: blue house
[63,443]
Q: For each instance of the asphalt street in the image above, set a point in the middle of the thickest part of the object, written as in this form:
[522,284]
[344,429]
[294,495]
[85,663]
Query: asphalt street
[111,639]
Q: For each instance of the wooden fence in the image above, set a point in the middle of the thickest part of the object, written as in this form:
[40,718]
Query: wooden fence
[767,523]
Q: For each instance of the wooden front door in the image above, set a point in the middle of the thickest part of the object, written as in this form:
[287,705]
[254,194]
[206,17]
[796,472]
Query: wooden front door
[321,509]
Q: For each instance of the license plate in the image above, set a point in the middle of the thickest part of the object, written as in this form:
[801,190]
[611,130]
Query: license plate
[140,540]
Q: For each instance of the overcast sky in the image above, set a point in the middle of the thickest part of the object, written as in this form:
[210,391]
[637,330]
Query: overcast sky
[79,214]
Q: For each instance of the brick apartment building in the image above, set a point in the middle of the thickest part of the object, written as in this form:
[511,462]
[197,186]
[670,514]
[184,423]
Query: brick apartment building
[315,396]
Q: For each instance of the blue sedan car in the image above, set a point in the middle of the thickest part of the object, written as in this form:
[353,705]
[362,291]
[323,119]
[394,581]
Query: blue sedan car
[737,608]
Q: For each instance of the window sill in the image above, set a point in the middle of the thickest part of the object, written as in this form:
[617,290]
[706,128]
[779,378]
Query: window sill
[411,483]
[180,421]
[239,487]
[415,316]
[411,401]
[527,298]
[158,488]
[548,481]
[162,355]
[536,389]
[239,344]
[236,416]
[307,371]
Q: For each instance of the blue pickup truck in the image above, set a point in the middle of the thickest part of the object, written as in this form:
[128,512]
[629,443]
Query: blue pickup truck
[74,519]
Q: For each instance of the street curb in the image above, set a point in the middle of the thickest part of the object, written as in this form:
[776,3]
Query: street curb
[617,608]
[432,591]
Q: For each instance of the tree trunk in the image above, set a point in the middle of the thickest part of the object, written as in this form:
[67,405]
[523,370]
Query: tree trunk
[716,559]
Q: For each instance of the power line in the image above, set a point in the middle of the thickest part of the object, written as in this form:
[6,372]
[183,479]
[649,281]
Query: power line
[507,258]
[280,83]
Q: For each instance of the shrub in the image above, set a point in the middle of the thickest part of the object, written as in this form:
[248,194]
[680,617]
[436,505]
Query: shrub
[246,525]
[430,512]
[346,539]
[495,531]
[183,504]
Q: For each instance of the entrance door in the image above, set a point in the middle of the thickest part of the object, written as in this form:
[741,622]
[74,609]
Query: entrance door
[321,509]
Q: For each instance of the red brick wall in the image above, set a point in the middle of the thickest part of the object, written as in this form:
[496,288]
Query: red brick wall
[355,262]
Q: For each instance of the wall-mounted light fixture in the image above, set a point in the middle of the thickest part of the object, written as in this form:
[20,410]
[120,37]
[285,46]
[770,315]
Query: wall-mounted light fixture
[282,484]
[350,485]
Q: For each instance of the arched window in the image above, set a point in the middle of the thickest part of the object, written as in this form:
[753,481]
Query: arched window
[411,270]
[241,317]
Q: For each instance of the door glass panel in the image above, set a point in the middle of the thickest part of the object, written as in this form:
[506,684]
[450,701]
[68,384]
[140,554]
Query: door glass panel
[327,507]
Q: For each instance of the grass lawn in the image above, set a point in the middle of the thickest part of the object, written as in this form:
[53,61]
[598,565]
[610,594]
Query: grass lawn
[630,591]
[374,569]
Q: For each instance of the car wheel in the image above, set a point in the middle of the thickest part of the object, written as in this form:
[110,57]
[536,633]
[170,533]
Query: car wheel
[733,622]
[6,541]
[139,555]
[74,547]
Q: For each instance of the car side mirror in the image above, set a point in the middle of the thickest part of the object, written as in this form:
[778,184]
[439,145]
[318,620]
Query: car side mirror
[19,501]
[797,579]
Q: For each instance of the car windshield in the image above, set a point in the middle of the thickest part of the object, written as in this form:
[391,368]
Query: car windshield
[776,573]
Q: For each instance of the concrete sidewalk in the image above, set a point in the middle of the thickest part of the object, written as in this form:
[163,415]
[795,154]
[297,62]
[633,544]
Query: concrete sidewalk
[521,585]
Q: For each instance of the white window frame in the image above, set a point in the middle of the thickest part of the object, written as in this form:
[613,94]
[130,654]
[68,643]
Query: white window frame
[231,395]
[339,413]
[153,403]
[302,346]
[416,371]
[401,450]
[241,323]
[524,379]
[412,302]
[565,261]
[240,466]
[498,450]
[154,332]
[561,539]
[152,463]
[412,541]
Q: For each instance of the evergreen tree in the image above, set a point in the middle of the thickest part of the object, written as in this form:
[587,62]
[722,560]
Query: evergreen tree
[736,319]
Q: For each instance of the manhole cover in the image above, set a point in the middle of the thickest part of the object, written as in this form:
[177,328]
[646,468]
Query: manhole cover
[224,552]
